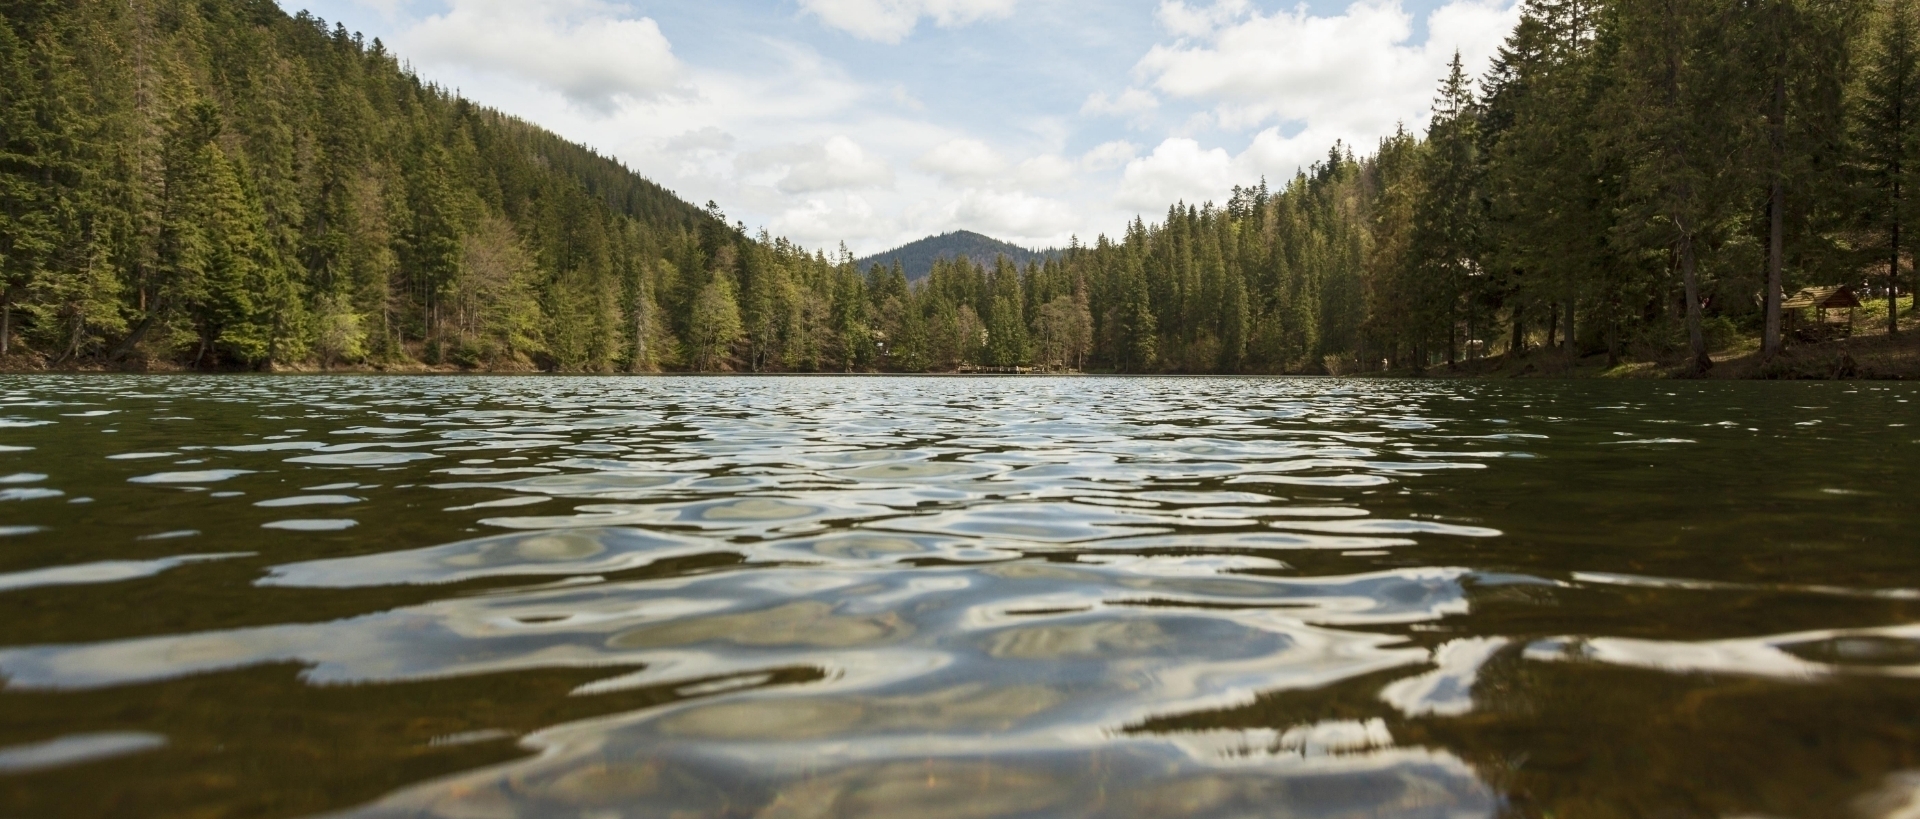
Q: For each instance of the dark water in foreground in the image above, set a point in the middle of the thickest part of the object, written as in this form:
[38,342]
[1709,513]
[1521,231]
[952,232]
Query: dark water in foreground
[498,597]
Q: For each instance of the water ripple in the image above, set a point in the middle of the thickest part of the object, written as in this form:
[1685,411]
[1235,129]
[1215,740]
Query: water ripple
[911,597]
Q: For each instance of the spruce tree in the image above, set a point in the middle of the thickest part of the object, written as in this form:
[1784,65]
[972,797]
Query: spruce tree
[27,229]
[41,217]
[715,326]
[1800,57]
[1680,113]
[1888,111]
[1449,221]
[1548,218]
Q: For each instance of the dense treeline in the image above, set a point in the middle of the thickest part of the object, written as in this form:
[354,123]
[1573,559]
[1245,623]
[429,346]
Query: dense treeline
[1630,179]
[215,184]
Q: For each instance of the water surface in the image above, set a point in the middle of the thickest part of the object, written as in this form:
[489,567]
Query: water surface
[946,597]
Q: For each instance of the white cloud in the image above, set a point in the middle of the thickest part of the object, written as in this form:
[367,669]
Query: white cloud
[890,21]
[788,128]
[703,152]
[583,49]
[1110,155]
[386,8]
[1186,21]
[1010,215]
[701,140]
[1476,29]
[1129,102]
[973,163]
[964,160]
[838,163]
[1300,82]
[1279,157]
[1178,170]
[1045,171]
[1356,73]
[906,99]
[824,222]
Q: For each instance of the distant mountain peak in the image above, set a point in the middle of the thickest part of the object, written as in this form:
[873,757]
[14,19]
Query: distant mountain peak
[918,257]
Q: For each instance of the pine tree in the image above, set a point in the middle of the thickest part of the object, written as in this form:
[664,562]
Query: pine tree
[223,185]
[1138,328]
[243,299]
[39,168]
[430,245]
[912,349]
[186,244]
[851,328]
[1680,113]
[1548,217]
[1888,111]
[1448,227]
[715,326]
[1391,273]
[1802,56]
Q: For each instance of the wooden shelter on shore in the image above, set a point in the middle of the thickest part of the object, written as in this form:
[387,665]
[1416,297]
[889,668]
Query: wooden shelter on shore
[1820,313]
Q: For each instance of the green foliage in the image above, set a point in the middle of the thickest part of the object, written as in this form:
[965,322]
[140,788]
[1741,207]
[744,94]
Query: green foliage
[713,327]
[1886,126]
[1721,332]
[1063,333]
[340,335]
[217,184]
[916,259]
[1447,248]
[222,185]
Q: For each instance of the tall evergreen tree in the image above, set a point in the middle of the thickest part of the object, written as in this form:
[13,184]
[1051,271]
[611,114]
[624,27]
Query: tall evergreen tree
[1801,51]
[1680,115]
[218,184]
[1548,220]
[1888,103]
[715,326]
[1448,223]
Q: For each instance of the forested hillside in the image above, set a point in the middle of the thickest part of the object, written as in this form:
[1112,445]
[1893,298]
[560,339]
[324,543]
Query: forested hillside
[214,184]
[1640,180]
[917,258]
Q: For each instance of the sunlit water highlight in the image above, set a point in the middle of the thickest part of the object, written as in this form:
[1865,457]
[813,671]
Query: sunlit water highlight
[956,598]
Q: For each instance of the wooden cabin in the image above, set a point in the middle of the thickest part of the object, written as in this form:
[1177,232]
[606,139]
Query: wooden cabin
[1820,313]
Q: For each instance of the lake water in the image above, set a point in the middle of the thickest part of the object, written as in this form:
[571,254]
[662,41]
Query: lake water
[947,597]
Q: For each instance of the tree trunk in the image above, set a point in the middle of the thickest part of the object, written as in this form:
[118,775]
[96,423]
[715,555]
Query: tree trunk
[75,334]
[1893,261]
[1553,326]
[6,324]
[639,334]
[273,344]
[1518,347]
[1776,213]
[1696,332]
[1776,264]
[134,338]
[1473,335]
[1571,340]
[1613,338]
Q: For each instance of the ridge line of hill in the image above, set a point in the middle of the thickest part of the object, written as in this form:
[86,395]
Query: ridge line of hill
[917,258]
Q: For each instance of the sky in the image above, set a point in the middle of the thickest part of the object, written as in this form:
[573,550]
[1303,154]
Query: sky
[878,122]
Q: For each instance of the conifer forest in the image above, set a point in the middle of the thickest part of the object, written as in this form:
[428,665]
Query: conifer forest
[217,185]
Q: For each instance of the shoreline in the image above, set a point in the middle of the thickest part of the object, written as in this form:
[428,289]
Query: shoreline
[1869,356]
